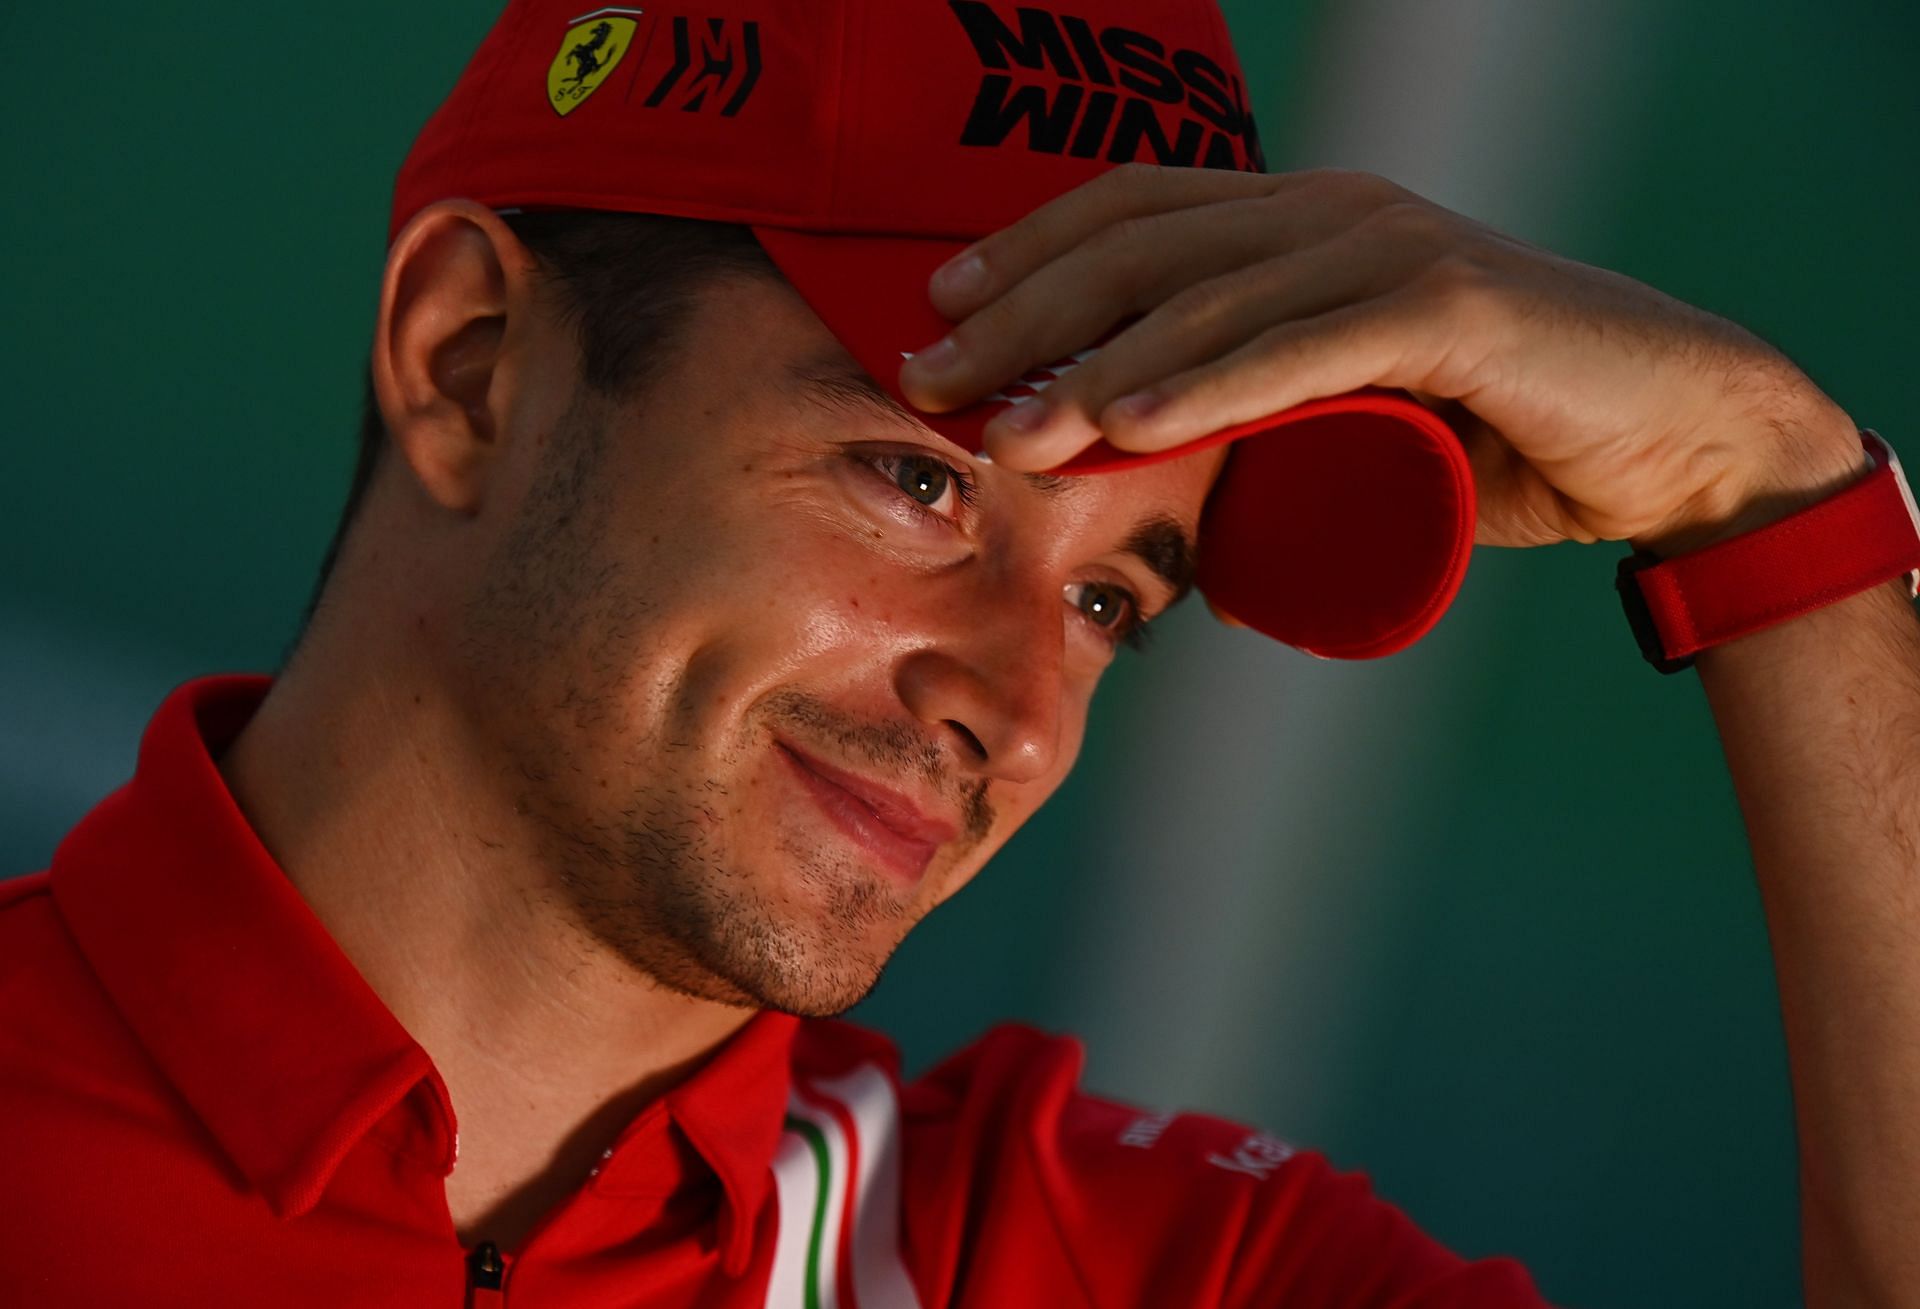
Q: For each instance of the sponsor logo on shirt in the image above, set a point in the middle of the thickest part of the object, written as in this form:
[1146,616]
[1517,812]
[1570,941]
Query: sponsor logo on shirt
[1257,1156]
[1143,1131]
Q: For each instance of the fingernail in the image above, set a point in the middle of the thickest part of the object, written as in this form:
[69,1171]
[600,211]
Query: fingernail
[1028,415]
[1139,405]
[963,275]
[938,357]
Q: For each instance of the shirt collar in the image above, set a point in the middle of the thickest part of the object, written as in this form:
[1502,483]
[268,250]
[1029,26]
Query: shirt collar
[224,974]
[264,1025]
[733,1111]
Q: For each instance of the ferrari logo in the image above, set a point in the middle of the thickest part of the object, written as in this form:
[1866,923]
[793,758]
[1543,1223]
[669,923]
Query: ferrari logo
[589,52]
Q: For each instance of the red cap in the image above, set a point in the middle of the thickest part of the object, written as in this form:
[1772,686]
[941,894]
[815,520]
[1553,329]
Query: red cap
[865,142]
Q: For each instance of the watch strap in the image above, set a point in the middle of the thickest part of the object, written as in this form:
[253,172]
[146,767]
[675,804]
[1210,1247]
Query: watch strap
[1866,533]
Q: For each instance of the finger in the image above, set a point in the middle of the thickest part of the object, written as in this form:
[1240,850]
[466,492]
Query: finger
[1127,267]
[1201,323]
[1394,340]
[1132,190]
[988,267]
[1137,262]
[1121,271]
[1517,506]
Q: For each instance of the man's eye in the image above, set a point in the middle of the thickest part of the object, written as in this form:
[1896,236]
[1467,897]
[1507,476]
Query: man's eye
[1110,608]
[928,481]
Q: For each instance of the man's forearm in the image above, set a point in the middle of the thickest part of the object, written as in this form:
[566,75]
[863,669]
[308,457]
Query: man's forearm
[1820,720]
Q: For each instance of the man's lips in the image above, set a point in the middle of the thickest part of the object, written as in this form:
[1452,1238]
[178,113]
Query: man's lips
[886,821]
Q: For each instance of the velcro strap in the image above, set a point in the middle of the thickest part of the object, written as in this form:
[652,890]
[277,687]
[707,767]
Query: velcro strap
[1862,535]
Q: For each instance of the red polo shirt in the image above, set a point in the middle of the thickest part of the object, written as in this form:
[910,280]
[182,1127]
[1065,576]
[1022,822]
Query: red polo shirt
[203,1103]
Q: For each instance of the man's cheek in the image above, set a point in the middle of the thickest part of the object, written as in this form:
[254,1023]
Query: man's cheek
[830,624]
[832,598]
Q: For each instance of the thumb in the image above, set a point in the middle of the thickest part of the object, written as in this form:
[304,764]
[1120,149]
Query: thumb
[1516,505]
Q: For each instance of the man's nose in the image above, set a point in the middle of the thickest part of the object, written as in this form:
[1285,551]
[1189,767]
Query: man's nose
[995,679]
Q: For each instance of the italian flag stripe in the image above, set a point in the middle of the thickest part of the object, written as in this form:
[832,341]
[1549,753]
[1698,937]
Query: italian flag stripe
[843,1144]
[828,1220]
[837,1180]
[879,1272]
[799,1178]
[818,1148]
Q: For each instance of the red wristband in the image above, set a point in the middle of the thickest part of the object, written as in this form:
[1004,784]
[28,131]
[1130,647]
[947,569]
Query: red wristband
[1864,534]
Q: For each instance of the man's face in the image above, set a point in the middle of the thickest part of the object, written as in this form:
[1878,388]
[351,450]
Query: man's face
[773,674]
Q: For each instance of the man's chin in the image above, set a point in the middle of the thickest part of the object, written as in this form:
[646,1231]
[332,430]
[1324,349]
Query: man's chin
[794,925]
[814,983]
[814,971]
[813,997]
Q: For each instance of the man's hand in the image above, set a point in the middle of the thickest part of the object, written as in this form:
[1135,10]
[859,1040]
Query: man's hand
[1592,407]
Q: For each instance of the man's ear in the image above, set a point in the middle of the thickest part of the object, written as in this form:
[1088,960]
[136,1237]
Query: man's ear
[455,278]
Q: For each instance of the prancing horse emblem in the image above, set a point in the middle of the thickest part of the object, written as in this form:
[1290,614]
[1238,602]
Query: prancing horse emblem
[584,53]
[593,47]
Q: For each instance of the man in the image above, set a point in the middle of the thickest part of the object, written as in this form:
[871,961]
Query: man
[679,652]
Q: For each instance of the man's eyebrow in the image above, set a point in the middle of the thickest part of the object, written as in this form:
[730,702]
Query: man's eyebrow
[1164,546]
[1159,542]
[848,388]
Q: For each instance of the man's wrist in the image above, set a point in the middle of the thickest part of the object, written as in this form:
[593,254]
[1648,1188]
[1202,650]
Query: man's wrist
[1809,464]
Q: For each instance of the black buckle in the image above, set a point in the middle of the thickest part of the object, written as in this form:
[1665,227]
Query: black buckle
[1640,618]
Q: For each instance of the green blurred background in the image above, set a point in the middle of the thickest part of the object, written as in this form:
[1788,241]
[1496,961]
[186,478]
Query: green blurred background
[1477,919]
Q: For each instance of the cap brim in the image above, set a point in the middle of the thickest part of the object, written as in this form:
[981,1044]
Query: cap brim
[1342,526]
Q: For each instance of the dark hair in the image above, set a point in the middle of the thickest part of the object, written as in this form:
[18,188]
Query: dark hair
[626,283]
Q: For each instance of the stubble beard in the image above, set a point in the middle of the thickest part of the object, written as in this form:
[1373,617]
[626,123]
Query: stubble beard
[658,890]
[650,878]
